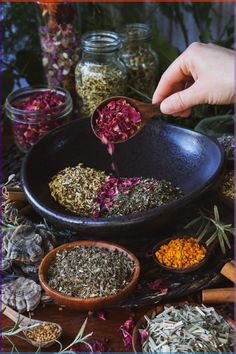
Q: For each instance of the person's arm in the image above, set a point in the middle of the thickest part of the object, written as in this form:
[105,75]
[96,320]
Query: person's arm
[203,73]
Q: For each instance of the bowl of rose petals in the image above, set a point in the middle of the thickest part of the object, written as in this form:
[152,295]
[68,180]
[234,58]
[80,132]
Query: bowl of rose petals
[74,180]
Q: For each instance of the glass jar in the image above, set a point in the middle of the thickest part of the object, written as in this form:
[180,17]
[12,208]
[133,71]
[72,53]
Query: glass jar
[100,73]
[140,60]
[34,111]
[58,33]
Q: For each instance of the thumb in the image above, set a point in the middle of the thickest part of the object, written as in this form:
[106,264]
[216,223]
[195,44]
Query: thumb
[182,100]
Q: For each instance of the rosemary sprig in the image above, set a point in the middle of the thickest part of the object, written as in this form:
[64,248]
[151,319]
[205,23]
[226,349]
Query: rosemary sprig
[212,225]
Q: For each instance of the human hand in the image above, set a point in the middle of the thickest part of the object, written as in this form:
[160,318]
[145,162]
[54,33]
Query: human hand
[203,73]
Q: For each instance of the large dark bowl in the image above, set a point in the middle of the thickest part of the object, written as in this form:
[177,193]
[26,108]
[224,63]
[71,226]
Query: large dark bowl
[188,159]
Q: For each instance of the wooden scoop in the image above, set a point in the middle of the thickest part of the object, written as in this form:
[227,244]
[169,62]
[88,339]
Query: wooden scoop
[25,322]
[147,111]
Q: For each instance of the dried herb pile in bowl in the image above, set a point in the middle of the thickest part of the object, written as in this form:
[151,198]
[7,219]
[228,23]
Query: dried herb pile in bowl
[90,271]
[187,329]
[91,193]
[227,188]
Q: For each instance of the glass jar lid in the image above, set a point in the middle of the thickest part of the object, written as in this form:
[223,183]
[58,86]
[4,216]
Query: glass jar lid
[136,31]
[100,42]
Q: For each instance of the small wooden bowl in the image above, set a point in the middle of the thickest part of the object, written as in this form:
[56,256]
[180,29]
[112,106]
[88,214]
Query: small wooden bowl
[88,303]
[180,270]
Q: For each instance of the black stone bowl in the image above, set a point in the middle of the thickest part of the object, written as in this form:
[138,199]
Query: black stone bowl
[188,159]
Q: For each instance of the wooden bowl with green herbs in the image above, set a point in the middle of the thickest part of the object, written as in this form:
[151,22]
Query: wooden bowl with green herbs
[88,275]
[182,327]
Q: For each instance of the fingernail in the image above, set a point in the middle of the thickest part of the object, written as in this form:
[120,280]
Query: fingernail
[166,107]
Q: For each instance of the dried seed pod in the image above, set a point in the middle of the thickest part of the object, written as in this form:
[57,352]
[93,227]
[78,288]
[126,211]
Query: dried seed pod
[22,294]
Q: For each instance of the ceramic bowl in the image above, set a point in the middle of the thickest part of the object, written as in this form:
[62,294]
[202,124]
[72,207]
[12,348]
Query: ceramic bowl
[180,270]
[188,159]
[87,304]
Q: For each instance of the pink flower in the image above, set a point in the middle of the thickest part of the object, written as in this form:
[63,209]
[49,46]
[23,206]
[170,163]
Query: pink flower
[157,285]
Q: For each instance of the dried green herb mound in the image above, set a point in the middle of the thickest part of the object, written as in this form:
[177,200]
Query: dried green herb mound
[187,329]
[89,271]
[75,188]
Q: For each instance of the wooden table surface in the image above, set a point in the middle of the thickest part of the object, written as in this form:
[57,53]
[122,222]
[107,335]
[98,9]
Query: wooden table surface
[71,320]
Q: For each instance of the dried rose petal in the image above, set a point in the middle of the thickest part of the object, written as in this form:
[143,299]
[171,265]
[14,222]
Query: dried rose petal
[127,330]
[155,285]
[143,335]
[101,315]
[117,121]
[28,132]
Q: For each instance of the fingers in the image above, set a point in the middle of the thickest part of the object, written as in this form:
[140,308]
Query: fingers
[173,79]
[180,103]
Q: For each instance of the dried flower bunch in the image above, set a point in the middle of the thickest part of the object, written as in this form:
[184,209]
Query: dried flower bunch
[88,192]
[95,82]
[185,329]
[59,44]
[88,272]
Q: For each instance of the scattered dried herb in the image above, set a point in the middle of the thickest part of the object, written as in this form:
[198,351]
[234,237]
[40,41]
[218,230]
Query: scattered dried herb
[228,143]
[95,82]
[228,185]
[187,329]
[90,271]
[181,253]
[116,121]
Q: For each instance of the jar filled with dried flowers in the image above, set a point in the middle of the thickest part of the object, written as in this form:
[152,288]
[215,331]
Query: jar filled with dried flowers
[34,111]
[100,73]
[58,33]
[140,60]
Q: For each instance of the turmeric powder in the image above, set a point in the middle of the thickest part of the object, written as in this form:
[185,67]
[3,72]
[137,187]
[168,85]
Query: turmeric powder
[181,253]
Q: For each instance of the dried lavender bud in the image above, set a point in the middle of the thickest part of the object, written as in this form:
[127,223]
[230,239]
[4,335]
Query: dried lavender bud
[96,82]
[90,271]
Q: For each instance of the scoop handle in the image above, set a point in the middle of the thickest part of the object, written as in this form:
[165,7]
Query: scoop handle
[12,314]
[16,316]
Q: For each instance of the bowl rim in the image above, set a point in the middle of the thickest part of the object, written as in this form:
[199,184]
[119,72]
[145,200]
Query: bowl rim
[88,301]
[181,270]
[135,218]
